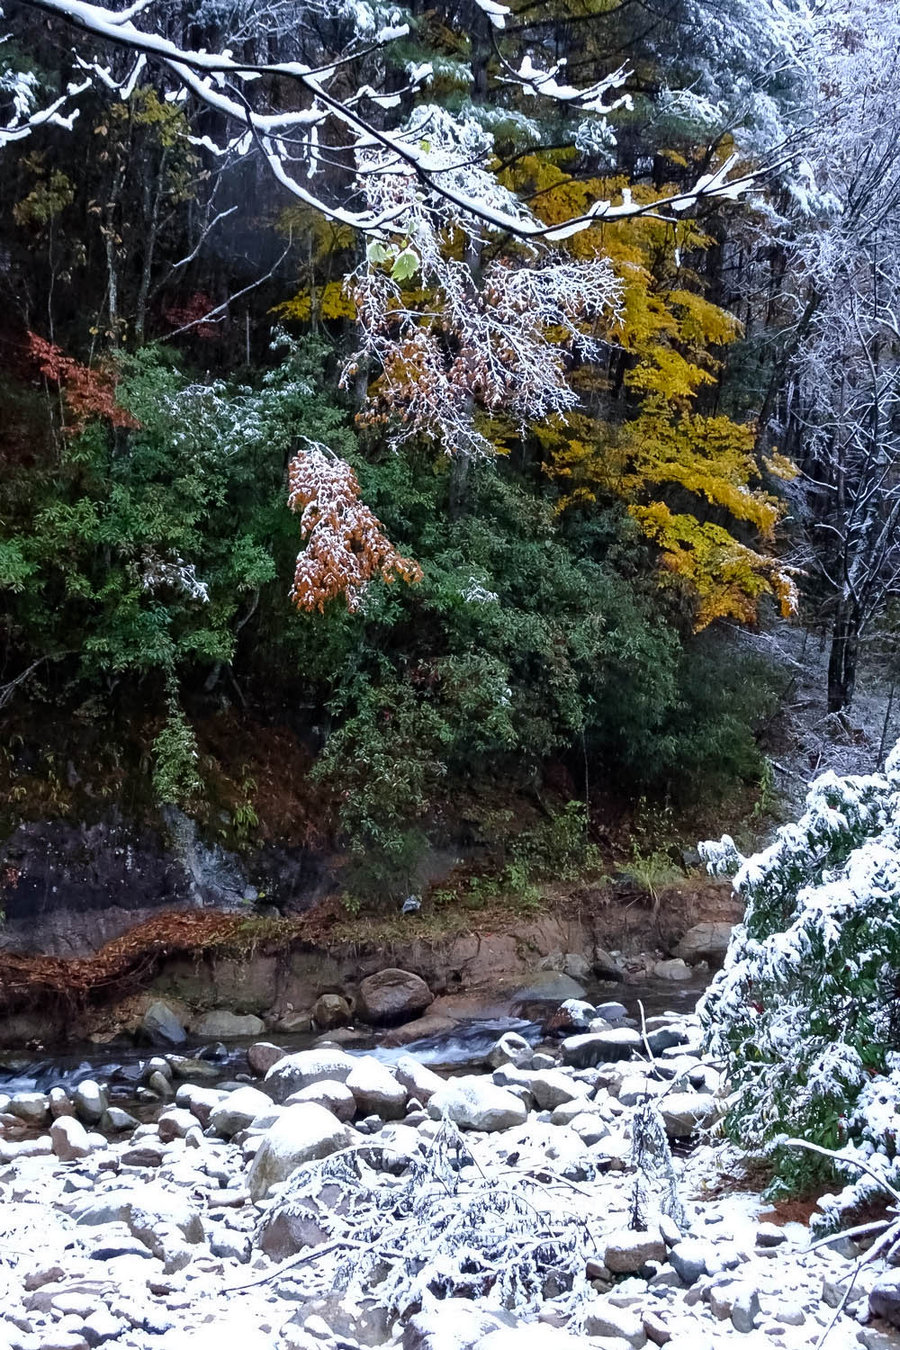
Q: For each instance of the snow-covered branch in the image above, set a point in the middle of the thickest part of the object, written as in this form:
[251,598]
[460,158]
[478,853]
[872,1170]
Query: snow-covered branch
[213,78]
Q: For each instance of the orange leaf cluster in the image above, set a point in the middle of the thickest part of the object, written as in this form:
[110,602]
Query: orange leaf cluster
[345,545]
[88,393]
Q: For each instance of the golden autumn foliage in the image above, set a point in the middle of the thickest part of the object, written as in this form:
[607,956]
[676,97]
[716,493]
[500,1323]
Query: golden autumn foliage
[672,466]
[345,545]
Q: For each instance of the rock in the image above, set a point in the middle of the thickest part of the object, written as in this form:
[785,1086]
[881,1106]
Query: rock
[690,1259]
[475,1104]
[433,1330]
[116,1121]
[551,1088]
[31,1107]
[193,1069]
[262,1056]
[600,1047]
[510,1049]
[420,1082]
[572,1015]
[675,970]
[70,1139]
[331,1010]
[666,1038]
[376,1090]
[175,1123]
[705,942]
[656,1327]
[302,1133]
[626,1250]
[200,1101]
[537,1336]
[222,1025]
[577,965]
[770,1235]
[611,1011]
[603,1319]
[393,996]
[161,1085]
[101,1327]
[745,1308]
[161,1025]
[238,1110]
[295,1072]
[884,1297]
[146,1153]
[685,1112]
[60,1103]
[334,1096]
[91,1100]
[606,967]
[550,986]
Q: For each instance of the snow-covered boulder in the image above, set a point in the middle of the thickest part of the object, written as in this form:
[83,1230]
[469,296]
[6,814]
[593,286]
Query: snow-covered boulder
[376,1090]
[328,1092]
[476,1104]
[295,1072]
[238,1110]
[302,1133]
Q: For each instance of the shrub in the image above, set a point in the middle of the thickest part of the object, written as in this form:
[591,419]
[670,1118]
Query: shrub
[804,1013]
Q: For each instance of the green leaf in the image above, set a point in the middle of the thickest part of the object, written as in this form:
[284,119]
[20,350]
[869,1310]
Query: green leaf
[406,265]
[378,253]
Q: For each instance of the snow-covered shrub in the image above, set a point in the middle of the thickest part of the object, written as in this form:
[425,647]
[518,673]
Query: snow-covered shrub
[804,1013]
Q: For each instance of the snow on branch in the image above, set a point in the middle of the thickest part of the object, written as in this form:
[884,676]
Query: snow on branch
[345,545]
[218,80]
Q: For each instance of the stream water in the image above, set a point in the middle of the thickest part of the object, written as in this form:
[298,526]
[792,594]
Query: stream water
[465,1048]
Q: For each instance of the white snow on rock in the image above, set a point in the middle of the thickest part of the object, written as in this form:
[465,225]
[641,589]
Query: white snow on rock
[302,1133]
[476,1104]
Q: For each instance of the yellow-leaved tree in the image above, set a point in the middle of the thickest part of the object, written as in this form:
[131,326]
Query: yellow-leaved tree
[691,482]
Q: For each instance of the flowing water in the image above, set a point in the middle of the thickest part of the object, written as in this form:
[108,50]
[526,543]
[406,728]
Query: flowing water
[463,1049]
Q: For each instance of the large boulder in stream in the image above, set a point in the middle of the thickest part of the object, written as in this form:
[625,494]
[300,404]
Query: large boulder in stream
[296,1072]
[393,996]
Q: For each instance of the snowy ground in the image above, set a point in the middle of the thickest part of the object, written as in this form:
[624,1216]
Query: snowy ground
[380,1205]
[803,740]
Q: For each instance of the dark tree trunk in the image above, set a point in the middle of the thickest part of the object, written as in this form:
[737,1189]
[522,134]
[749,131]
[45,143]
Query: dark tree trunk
[843,659]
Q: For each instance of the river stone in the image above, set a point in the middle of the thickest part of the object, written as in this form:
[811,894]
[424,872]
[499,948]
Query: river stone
[31,1107]
[262,1056]
[238,1110]
[420,1081]
[476,1104]
[611,1011]
[198,1100]
[115,1120]
[666,1038]
[685,1112]
[675,970]
[328,1092]
[548,986]
[705,942]
[393,996]
[690,1259]
[510,1049]
[376,1090]
[295,1072]
[551,1087]
[884,1297]
[303,1133]
[626,1250]
[162,1026]
[604,1319]
[331,1010]
[61,1103]
[600,1047]
[70,1139]
[571,1016]
[220,1024]
[91,1100]
[174,1123]
[470,1324]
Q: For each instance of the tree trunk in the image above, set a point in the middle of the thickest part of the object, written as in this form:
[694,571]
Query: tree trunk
[843,659]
